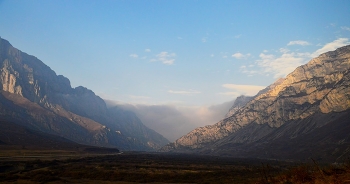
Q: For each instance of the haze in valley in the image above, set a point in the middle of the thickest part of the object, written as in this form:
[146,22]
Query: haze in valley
[177,64]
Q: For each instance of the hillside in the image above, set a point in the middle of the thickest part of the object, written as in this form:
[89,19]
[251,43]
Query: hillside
[33,96]
[299,116]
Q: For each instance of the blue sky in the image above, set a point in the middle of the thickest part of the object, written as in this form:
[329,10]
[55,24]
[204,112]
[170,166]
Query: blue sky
[188,53]
[167,51]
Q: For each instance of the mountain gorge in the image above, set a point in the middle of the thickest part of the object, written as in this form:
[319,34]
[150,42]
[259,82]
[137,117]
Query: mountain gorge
[298,117]
[33,96]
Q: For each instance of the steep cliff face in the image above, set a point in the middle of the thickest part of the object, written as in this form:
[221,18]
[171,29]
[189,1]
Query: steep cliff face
[240,102]
[318,87]
[39,99]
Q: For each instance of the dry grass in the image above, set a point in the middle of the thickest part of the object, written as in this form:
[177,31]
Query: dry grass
[311,174]
[159,168]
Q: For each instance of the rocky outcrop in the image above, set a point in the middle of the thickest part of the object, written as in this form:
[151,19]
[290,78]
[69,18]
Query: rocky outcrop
[33,96]
[320,86]
[240,102]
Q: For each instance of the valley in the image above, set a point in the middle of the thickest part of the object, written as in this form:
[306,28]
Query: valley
[152,167]
[179,92]
[293,131]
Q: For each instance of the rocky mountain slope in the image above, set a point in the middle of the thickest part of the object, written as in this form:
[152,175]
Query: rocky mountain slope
[242,100]
[33,96]
[238,104]
[312,97]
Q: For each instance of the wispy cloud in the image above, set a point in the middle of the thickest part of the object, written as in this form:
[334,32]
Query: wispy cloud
[204,39]
[299,42]
[224,54]
[282,65]
[184,92]
[134,55]
[238,36]
[165,57]
[239,55]
[249,71]
[237,89]
[285,61]
[147,50]
[331,46]
[345,28]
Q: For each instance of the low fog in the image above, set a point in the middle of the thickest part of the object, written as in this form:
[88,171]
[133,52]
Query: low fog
[175,121]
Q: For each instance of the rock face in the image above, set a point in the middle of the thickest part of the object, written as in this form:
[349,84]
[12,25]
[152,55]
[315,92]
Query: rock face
[286,110]
[237,104]
[242,100]
[32,95]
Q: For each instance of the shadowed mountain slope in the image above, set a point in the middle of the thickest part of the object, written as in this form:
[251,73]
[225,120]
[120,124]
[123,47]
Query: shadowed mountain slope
[33,96]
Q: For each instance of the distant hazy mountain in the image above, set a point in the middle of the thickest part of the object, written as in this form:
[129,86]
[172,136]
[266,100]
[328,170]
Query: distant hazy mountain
[305,115]
[33,96]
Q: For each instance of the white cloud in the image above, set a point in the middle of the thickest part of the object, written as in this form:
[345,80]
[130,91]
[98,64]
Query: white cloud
[147,50]
[184,92]
[298,42]
[250,72]
[346,28]
[331,46]
[285,61]
[134,55]
[165,58]
[237,89]
[204,39]
[266,56]
[279,66]
[239,55]
[284,50]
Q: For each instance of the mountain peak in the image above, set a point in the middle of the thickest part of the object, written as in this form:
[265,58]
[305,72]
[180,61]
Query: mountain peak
[33,96]
[319,87]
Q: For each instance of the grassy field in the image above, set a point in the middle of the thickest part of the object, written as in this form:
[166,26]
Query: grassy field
[58,167]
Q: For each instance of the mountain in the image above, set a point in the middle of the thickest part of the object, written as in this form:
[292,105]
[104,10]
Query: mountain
[243,100]
[16,137]
[33,96]
[304,115]
[238,104]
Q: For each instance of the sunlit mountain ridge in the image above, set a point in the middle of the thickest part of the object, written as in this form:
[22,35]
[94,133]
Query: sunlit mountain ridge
[304,115]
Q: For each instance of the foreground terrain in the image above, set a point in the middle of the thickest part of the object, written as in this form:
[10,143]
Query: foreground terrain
[164,168]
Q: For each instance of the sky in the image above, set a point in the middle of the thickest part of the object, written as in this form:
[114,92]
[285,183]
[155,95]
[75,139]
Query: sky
[191,57]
